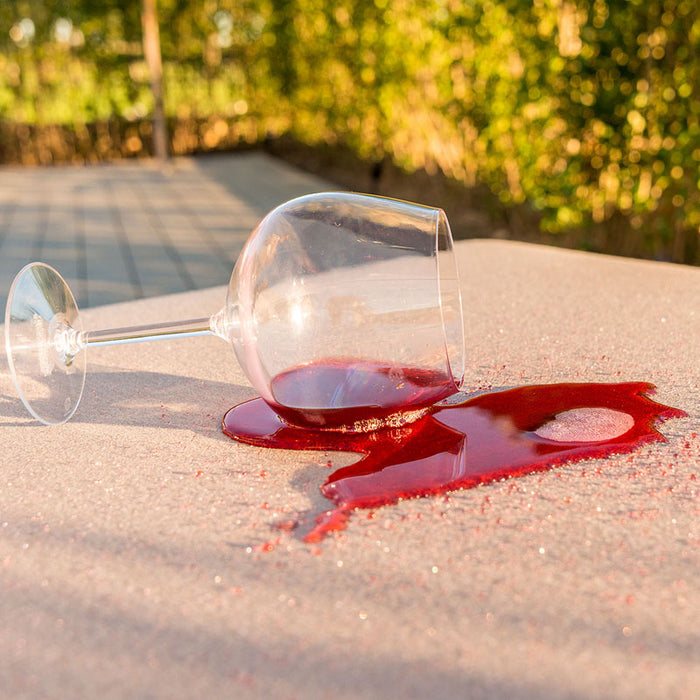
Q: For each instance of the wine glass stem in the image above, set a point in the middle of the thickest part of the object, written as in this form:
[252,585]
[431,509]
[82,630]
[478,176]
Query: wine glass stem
[70,342]
[155,331]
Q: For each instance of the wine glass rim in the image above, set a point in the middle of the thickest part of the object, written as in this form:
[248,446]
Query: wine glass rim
[441,219]
[350,194]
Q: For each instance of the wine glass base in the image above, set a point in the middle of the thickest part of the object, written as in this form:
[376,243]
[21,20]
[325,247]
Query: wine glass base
[49,382]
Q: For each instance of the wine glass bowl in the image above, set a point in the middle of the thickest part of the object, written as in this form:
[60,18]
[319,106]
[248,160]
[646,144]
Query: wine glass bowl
[343,310]
[347,309]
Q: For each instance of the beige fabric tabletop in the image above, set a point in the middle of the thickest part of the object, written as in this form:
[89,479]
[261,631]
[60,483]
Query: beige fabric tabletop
[139,555]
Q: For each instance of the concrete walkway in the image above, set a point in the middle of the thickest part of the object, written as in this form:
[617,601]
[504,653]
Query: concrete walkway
[129,230]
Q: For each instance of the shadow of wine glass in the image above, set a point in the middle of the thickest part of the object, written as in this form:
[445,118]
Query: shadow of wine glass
[123,399]
[128,398]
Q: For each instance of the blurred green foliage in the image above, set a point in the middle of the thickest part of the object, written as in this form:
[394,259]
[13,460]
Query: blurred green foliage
[585,110]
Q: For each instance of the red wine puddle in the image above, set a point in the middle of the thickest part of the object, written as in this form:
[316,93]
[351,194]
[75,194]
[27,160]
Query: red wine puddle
[484,438]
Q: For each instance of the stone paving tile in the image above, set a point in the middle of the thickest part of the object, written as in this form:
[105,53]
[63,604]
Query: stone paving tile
[129,230]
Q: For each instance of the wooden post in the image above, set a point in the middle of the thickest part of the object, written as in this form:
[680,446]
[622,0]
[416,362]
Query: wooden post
[151,50]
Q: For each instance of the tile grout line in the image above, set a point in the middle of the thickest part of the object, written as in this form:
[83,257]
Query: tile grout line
[80,248]
[42,224]
[7,219]
[165,239]
[123,241]
[203,233]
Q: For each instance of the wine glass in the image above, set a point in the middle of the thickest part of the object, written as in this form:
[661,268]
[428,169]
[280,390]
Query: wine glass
[344,312]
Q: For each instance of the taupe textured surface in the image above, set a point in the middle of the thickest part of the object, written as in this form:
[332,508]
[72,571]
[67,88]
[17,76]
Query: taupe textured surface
[139,557]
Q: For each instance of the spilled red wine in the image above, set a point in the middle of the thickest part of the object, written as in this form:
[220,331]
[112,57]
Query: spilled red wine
[484,438]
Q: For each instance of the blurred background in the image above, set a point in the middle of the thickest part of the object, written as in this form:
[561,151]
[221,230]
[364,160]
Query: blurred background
[570,122]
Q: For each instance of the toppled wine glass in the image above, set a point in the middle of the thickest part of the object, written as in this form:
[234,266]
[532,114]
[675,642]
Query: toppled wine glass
[344,312]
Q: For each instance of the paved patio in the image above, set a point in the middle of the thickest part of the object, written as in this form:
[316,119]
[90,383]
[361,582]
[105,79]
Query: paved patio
[129,230]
